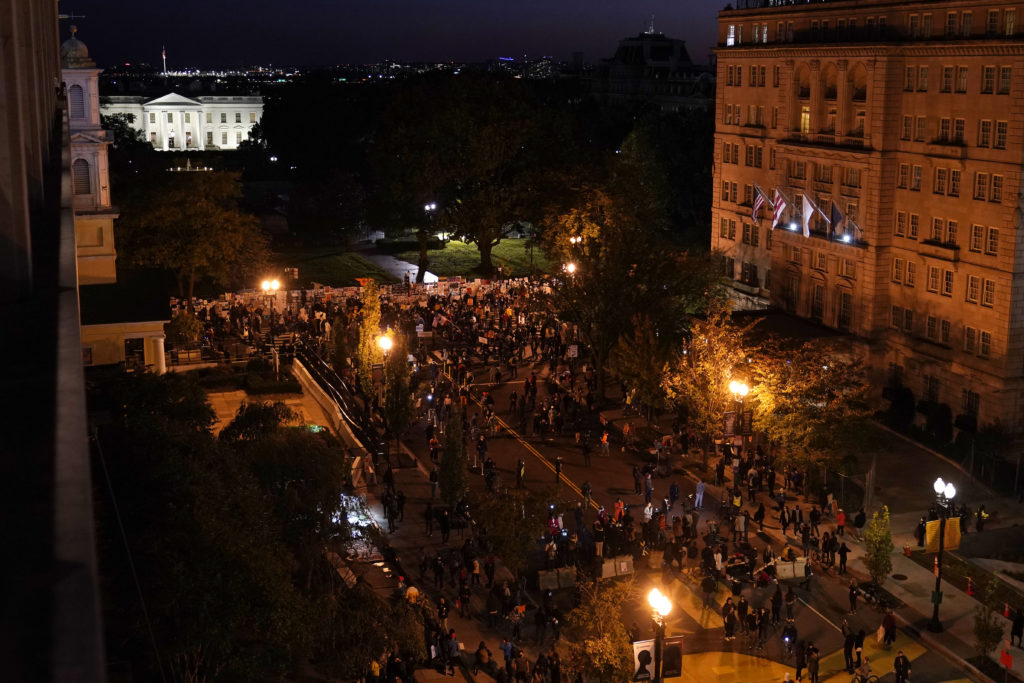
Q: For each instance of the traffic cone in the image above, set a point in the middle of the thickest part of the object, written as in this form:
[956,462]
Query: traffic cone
[1006,610]
[970,586]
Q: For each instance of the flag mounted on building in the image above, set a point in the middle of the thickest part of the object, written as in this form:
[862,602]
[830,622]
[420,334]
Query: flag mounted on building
[836,218]
[780,206]
[760,199]
[808,212]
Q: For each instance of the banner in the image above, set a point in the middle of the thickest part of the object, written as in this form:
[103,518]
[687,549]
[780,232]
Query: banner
[643,660]
[672,658]
[950,542]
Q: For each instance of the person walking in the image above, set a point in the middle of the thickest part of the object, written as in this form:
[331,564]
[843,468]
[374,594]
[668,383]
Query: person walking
[759,517]
[853,593]
[888,628]
[848,644]
[842,552]
[901,667]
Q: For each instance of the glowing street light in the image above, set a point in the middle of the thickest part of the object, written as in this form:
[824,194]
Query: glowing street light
[570,268]
[385,343]
[661,607]
[739,389]
[270,288]
[945,492]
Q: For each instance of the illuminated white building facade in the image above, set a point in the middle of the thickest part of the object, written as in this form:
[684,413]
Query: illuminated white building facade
[175,122]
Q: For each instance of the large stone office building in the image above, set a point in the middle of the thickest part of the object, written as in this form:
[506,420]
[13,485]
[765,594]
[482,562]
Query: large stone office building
[892,136]
[176,122]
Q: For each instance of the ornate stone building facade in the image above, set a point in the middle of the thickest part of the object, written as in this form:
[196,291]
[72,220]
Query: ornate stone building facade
[894,135]
[176,122]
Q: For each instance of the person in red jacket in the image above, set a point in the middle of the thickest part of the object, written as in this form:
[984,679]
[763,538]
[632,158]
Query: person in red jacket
[841,523]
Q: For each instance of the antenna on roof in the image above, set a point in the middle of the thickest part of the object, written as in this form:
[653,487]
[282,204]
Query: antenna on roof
[650,26]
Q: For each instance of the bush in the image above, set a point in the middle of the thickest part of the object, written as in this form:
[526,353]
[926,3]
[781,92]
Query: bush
[260,365]
[258,384]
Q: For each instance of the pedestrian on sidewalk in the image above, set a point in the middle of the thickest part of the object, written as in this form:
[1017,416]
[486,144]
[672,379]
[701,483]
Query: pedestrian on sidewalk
[853,593]
[759,517]
[814,517]
[841,522]
[452,652]
[784,520]
[812,667]
[842,552]
[400,505]
[698,502]
[558,470]
[638,480]
[849,639]
[859,520]
[919,533]
[901,667]
[507,650]
[888,629]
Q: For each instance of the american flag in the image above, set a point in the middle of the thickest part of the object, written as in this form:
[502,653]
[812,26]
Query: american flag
[758,203]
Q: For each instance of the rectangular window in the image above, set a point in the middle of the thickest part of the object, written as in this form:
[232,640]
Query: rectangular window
[915,178]
[818,302]
[224,119]
[915,222]
[988,79]
[932,327]
[984,344]
[973,289]
[252,117]
[966,24]
[920,129]
[794,255]
[971,402]
[224,138]
[914,26]
[961,79]
[849,268]
[908,123]
[844,316]
[170,117]
[732,229]
[922,79]
[952,228]
[1009,21]
[748,195]
[739,75]
[940,181]
[896,319]
[970,339]
[152,117]
[821,261]
[988,293]
[911,277]
[938,228]
[903,177]
[852,177]
[897,270]
[188,117]
[954,182]
[992,243]
[958,131]
[945,128]
[950,23]
[900,228]
[730,38]
[1004,80]
[777,76]
[238,117]
[992,28]
[944,331]
[933,279]
[996,193]
[947,283]
[723,229]
[209,137]
[762,74]
[209,117]
[909,78]
[980,186]
[977,237]
[1000,141]
[926,25]
[947,79]
[985,133]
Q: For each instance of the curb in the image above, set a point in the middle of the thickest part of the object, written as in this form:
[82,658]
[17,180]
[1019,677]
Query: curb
[941,649]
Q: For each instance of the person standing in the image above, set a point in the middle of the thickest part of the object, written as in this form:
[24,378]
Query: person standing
[853,593]
[859,520]
[842,552]
[901,667]
[812,667]
[698,502]
[784,520]
[759,517]
[888,628]
[841,522]
[848,643]
[558,470]
[1017,629]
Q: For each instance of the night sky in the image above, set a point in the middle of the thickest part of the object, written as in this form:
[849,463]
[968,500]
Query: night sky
[322,32]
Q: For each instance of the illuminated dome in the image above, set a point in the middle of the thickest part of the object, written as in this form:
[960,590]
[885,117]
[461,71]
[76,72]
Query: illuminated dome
[73,53]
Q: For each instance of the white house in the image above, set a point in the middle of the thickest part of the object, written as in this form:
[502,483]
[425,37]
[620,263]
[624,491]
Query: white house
[176,122]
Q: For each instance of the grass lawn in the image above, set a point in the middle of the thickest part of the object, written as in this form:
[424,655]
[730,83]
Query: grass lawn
[458,258]
[333,266]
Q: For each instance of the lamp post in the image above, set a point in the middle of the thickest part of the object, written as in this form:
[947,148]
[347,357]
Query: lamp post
[661,606]
[739,391]
[944,494]
[570,268]
[270,288]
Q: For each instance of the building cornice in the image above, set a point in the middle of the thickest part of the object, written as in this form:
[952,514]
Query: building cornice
[875,50]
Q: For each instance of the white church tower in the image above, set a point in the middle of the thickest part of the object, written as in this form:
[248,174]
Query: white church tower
[90,175]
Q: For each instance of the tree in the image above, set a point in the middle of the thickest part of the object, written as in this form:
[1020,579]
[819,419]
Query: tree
[256,420]
[369,351]
[878,546]
[512,521]
[623,271]
[399,410]
[599,647]
[190,223]
[639,361]
[183,330]
[453,477]
[126,136]
[988,621]
[698,378]
[810,402]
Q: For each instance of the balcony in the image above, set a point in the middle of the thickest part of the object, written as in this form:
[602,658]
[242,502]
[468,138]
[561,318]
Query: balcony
[939,250]
[857,142]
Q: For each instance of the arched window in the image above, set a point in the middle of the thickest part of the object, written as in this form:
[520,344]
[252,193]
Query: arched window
[80,182]
[76,100]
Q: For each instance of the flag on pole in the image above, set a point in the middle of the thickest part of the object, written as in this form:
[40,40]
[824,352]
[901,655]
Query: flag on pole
[808,212]
[758,203]
[780,206]
[837,217]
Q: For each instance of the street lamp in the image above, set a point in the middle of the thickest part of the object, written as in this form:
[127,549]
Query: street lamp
[270,288]
[661,606]
[739,390]
[570,268]
[385,343]
[944,494]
